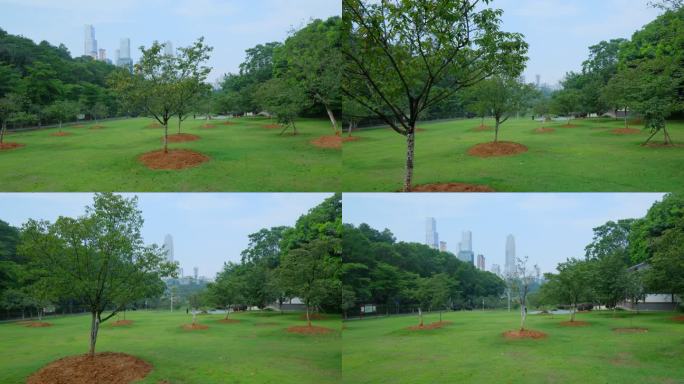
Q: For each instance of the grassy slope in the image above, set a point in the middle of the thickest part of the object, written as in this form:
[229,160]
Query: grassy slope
[586,158]
[225,353]
[244,157]
[472,350]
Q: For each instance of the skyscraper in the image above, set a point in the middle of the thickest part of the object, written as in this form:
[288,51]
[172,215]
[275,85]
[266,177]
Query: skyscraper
[509,267]
[90,44]
[496,269]
[481,262]
[538,78]
[124,54]
[196,271]
[168,48]
[431,235]
[168,246]
[443,246]
[102,54]
[465,247]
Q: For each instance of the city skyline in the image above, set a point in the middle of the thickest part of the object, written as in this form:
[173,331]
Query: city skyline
[549,228]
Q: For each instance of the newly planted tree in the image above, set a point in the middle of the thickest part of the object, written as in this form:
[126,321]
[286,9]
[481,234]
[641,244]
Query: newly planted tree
[284,99]
[10,104]
[99,258]
[571,285]
[402,57]
[62,111]
[522,280]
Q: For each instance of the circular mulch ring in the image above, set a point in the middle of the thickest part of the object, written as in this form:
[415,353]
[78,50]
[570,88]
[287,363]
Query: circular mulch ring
[630,330]
[328,142]
[228,321]
[625,131]
[97,127]
[575,323]
[194,327]
[501,148]
[103,368]
[482,128]
[678,318]
[122,323]
[37,324]
[207,126]
[313,316]
[544,130]
[435,325]
[451,187]
[10,146]
[61,134]
[306,330]
[181,138]
[173,160]
[524,334]
[271,126]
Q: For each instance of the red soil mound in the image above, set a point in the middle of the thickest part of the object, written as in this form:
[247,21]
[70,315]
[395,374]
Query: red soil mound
[435,325]
[229,123]
[451,187]
[312,330]
[207,126]
[121,323]
[313,316]
[420,130]
[228,321]
[181,137]
[524,334]
[575,323]
[347,139]
[625,131]
[174,159]
[271,126]
[61,134]
[544,130]
[678,318]
[103,368]
[329,142]
[37,324]
[482,128]
[8,146]
[630,330]
[501,148]
[194,327]
[97,127]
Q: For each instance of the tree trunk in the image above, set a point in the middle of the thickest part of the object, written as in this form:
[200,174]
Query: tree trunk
[294,127]
[410,148]
[332,119]
[650,137]
[179,124]
[351,127]
[94,327]
[60,125]
[523,316]
[40,314]
[308,317]
[420,315]
[668,139]
[626,124]
[572,313]
[440,315]
[166,137]
[4,129]
[496,131]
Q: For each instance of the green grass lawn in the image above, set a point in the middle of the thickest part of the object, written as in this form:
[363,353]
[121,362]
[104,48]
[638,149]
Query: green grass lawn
[244,157]
[245,352]
[586,158]
[473,350]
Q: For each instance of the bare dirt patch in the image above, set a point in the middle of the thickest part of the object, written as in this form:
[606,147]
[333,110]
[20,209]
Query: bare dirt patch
[678,318]
[173,160]
[435,325]
[451,187]
[122,323]
[103,368]
[313,316]
[10,146]
[271,126]
[37,324]
[97,127]
[544,130]
[625,131]
[61,134]
[524,334]
[482,128]
[630,330]
[229,123]
[181,138]
[575,323]
[420,130]
[306,330]
[207,126]
[155,125]
[328,142]
[228,321]
[501,148]
[194,327]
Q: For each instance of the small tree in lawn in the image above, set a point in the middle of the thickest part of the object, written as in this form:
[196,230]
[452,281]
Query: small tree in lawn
[634,288]
[10,104]
[228,288]
[411,55]
[502,97]
[440,288]
[309,272]
[191,77]
[99,111]
[621,90]
[285,100]
[571,284]
[99,258]
[566,103]
[523,279]
[62,111]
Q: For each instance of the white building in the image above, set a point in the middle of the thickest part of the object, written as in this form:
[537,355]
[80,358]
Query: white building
[509,267]
[90,44]
[168,246]
[168,49]
[431,235]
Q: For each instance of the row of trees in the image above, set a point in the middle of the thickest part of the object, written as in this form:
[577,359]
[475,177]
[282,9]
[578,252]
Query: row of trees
[408,276]
[281,263]
[626,259]
[296,77]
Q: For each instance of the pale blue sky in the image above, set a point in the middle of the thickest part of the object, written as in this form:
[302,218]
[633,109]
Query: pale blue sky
[230,26]
[558,31]
[207,228]
[548,227]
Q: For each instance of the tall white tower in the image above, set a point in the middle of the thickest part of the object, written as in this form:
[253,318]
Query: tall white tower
[466,241]
[90,44]
[168,49]
[168,246]
[509,268]
[431,235]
